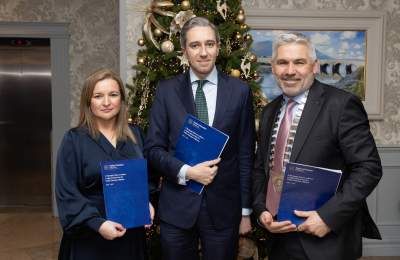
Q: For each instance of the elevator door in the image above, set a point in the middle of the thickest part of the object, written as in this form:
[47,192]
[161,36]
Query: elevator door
[25,122]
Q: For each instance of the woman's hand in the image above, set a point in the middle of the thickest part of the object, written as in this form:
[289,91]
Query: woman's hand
[111,230]
[152,212]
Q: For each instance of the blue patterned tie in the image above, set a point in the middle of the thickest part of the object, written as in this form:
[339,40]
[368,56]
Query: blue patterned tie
[201,102]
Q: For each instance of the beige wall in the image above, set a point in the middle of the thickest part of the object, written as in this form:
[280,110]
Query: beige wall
[93,28]
[386,131]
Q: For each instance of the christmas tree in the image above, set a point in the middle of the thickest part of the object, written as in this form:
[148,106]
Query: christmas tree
[160,57]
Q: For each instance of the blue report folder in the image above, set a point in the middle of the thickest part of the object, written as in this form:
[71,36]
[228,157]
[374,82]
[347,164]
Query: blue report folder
[305,188]
[199,142]
[125,191]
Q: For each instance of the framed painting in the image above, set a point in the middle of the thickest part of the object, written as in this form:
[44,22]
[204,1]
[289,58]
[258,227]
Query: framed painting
[349,47]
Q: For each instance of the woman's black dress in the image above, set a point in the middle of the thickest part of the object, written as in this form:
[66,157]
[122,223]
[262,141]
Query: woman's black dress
[79,195]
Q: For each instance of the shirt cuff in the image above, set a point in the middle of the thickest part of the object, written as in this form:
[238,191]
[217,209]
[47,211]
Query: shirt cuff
[246,211]
[182,174]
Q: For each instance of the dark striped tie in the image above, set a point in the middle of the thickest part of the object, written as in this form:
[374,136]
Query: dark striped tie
[201,102]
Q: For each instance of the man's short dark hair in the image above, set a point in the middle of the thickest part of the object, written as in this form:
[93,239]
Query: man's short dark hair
[195,22]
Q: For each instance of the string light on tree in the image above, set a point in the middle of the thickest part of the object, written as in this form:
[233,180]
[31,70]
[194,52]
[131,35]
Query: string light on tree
[253,58]
[141,42]
[243,26]
[240,17]
[141,60]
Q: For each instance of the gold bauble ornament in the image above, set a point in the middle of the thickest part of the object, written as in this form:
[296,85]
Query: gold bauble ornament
[241,11]
[240,18]
[167,46]
[238,36]
[253,58]
[141,42]
[235,73]
[243,26]
[185,5]
[157,32]
[247,37]
[140,60]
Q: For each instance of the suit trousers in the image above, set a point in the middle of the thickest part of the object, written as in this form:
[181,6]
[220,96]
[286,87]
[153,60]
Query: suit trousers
[183,244]
[287,247]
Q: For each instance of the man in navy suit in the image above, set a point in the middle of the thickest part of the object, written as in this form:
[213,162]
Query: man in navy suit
[329,128]
[221,211]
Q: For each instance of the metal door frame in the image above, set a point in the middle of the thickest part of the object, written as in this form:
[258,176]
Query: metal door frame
[60,85]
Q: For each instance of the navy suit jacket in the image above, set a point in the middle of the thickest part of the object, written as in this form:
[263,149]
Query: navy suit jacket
[231,187]
[333,132]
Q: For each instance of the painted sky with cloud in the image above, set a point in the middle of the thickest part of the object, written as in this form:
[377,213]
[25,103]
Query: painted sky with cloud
[335,44]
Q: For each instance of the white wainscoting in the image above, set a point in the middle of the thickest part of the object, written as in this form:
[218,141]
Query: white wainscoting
[384,205]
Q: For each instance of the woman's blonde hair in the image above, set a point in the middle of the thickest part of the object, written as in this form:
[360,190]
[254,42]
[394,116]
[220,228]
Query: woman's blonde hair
[87,119]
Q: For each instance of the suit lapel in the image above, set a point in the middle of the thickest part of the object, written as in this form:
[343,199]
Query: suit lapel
[224,95]
[185,93]
[310,113]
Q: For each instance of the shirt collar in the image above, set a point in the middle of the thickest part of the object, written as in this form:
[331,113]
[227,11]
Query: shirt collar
[212,77]
[300,99]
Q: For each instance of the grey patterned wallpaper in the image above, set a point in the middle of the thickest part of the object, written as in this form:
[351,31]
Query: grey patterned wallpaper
[93,28]
[386,131]
[94,40]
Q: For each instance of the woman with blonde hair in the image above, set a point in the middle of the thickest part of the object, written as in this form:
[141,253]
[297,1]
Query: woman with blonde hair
[102,134]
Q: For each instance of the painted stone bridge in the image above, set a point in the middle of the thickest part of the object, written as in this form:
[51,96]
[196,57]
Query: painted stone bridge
[341,67]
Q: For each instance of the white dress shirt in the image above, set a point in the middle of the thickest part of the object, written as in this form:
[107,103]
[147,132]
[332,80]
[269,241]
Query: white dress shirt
[300,102]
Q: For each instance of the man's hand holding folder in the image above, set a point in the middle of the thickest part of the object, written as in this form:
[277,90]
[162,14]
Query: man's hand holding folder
[305,189]
[313,224]
[204,172]
[198,146]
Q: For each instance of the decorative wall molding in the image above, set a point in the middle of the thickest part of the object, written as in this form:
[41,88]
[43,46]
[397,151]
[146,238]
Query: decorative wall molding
[384,205]
[36,29]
